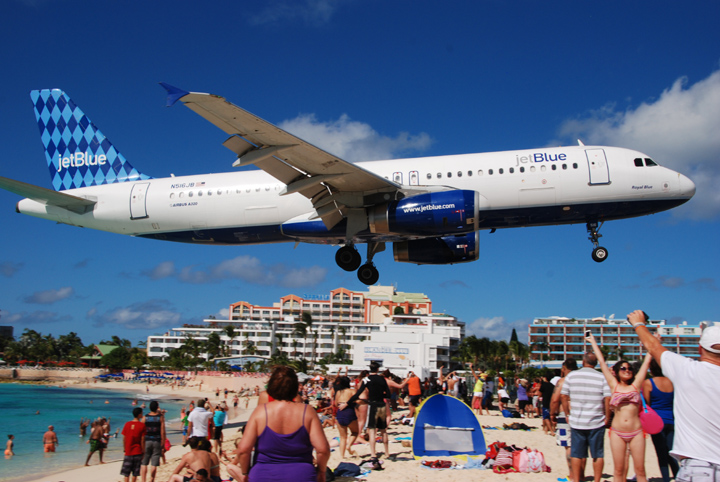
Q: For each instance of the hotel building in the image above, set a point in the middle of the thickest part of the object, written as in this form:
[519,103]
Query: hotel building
[556,338]
[340,319]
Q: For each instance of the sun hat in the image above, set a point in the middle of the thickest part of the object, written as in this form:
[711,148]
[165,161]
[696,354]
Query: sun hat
[710,336]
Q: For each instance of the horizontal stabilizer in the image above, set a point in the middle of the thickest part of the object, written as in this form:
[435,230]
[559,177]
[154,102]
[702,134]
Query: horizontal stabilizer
[47,196]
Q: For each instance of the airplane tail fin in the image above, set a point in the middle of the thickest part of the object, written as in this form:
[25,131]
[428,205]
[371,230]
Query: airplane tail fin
[77,153]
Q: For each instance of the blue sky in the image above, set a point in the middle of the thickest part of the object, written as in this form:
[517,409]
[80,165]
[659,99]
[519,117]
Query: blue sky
[366,80]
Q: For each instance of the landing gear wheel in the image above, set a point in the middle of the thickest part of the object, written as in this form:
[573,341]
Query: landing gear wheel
[599,254]
[348,258]
[368,274]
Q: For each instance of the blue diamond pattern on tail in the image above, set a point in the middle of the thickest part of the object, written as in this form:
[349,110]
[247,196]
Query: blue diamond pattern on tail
[77,153]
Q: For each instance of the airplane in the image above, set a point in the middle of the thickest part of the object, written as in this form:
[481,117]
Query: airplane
[431,208]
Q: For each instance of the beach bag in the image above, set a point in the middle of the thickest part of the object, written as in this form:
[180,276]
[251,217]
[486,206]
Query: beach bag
[650,420]
[504,462]
[476,404]
[520,460]
[507,413]
[535,461]
[493,450]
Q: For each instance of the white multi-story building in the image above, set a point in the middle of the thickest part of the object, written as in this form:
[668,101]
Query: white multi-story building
[340,319]
[418,343]
[556,338]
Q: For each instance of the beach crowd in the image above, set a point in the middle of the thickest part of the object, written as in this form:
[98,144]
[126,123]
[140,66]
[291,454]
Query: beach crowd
[669,397]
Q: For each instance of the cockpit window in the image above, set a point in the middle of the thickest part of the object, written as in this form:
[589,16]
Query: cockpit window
[638,162]
[649,162]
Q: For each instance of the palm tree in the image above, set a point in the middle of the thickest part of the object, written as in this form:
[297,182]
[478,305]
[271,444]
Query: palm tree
[230,333]
[343,332]
[314,347]
[300,330]
[307,320]
[213,345]
[541,346]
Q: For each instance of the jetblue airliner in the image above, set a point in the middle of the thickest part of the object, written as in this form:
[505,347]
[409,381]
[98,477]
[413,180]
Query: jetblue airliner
[430,208]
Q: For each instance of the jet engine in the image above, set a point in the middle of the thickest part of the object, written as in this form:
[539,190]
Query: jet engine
[434,213]
[460,248]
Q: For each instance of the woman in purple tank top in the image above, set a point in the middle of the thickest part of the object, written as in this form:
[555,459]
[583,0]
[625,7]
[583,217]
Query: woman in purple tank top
[283,434]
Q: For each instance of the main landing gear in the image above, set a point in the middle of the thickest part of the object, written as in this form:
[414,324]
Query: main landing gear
[349,259]
[599,254]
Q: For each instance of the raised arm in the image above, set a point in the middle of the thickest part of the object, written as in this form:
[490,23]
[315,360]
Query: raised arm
[473,372]
[642,373]
[609,376]
[651,343]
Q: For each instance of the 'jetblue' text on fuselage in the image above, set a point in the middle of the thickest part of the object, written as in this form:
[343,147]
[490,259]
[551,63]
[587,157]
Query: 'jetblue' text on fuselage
[539,157]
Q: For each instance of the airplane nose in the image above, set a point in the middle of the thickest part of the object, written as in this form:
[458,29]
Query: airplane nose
[687,187]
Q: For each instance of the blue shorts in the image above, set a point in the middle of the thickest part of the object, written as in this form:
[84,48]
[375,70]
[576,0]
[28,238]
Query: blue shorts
[546,414]
[584,439]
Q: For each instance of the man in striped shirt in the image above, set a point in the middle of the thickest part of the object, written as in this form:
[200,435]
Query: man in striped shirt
[585,398]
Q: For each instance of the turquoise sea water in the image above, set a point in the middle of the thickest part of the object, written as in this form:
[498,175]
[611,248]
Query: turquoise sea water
[63,408]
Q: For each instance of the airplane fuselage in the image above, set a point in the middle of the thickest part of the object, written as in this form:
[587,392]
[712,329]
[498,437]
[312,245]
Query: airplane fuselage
[546,186]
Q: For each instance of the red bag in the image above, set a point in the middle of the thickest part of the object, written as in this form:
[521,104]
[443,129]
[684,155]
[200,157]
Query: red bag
[651,422]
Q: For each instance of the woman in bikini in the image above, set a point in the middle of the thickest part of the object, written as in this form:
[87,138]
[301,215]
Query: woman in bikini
[346,418]
[626,431]
[362,407]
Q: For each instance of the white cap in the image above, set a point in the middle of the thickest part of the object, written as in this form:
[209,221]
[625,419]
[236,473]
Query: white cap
[710,336]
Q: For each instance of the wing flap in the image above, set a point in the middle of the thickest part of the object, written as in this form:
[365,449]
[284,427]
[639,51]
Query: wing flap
[47,196]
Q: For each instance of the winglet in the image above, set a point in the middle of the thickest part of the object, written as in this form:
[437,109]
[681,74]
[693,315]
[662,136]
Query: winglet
[174,93]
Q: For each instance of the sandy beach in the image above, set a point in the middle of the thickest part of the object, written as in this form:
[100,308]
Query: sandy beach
[400,467]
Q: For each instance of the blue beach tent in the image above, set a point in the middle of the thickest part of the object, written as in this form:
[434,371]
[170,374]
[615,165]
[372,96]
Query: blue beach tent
[446,427]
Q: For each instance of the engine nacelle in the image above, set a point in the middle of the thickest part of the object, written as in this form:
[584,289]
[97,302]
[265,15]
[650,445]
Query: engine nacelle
[442,250]
[434,213]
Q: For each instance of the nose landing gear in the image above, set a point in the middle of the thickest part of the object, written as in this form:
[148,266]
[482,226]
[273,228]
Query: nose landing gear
[599,254]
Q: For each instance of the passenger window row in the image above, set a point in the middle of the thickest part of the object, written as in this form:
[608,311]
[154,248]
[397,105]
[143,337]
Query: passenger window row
[501,170]
[220,192]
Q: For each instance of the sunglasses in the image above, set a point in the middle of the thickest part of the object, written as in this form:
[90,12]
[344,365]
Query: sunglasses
[626,369]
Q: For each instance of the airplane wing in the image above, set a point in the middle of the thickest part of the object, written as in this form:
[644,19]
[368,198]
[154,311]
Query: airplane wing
[333,185]
[48,196]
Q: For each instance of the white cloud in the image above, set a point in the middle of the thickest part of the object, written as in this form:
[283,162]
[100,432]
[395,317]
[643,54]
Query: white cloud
[165,269]
[246,268]
[352,140]
[33,318]
[313,12]
[146,315]
[679,130]
[48,297]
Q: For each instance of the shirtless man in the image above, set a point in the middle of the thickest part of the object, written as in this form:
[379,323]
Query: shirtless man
[95,441]
[50,439]
[194,461]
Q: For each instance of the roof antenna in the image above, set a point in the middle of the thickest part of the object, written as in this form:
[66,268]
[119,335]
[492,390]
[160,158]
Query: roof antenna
[580,143]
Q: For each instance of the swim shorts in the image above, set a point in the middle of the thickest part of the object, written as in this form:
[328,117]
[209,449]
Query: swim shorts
[131,465]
